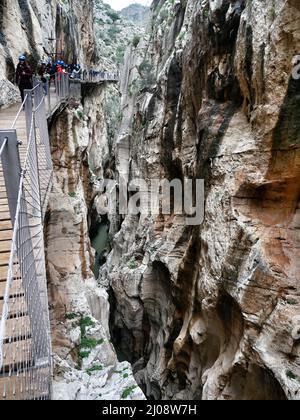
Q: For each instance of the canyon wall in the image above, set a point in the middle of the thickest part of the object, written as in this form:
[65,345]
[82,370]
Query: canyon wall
[201,312]
[212,311]
[85,363]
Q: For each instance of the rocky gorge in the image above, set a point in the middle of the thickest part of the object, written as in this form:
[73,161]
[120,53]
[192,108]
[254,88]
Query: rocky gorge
[212,312]
[177,312]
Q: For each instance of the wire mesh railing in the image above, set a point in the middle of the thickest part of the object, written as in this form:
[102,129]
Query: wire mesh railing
[25,343]
[25,182]
[95,76]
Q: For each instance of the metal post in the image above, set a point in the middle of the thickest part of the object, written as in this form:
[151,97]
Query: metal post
[56,86]
[11,169]
[64,86]
[49,96]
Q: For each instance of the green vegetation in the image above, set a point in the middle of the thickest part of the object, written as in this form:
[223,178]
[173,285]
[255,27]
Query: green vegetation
[80,114]
[292,302]
[87,344]
[291,375]
[90,343]
[153,249]
[112,32]
[120,51]
[73,194]
[113,15]
[132,264]
[94,369]
[163,16]
[136,40]
[145,67]
[112,112]
[84,324]
[128,391]
[148,81]
[272,13]
[71,316]
[83,354]
[148,78]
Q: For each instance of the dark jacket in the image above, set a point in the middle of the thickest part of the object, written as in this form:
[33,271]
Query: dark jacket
[24,75]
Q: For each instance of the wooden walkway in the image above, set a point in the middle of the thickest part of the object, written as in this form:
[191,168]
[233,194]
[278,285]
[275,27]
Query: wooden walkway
[24,372]
[18,347]
[13,352]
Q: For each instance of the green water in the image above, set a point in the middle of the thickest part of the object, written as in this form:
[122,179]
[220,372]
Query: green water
[100,244]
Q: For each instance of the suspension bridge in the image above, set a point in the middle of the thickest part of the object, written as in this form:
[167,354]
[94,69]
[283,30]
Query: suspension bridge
[25,184]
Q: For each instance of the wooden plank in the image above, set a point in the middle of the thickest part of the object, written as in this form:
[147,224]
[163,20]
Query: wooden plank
[4,258]
[17,327]
[17,307]
[13,388]
[6,235]
[4,215]
[17,355]
[3,195]
[28,386]
[3,273]
[5,246]
[5,225]
[16,289]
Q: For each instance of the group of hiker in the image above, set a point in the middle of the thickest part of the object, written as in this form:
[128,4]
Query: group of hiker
[46,72]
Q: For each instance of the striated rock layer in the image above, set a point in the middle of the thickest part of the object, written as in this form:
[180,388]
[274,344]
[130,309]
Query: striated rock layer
[213,312]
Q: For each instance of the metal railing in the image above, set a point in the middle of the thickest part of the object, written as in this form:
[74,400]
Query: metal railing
[95,76]
[25,343]
[56,90]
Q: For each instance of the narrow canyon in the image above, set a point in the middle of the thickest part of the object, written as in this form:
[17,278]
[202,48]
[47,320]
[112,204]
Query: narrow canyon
[146,306]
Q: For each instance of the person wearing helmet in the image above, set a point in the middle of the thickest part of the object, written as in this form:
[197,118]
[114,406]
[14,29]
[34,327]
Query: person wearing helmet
[43,73]
[23,76]
[42,69]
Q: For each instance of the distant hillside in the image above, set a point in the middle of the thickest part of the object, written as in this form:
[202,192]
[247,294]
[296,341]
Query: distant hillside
[114,33]
[137,14]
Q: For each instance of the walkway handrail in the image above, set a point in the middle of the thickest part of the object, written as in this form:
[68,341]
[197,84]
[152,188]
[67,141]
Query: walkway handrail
[96,76]
[19,112]
[25,342]
[28,187]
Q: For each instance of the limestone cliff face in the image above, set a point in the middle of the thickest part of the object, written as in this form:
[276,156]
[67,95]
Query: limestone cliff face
[40,29]
[213,312]
[85,363]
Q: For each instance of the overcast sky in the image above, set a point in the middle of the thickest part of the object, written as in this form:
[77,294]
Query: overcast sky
[120,4]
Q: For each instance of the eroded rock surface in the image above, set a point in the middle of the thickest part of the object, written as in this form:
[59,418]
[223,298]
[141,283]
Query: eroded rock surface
[85,363]
[212,312]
